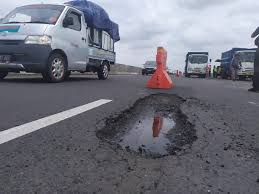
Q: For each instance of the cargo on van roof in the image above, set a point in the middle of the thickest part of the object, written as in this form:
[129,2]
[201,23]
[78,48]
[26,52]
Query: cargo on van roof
[97,17]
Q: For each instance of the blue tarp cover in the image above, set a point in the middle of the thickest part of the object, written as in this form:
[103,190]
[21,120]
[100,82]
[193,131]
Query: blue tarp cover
[97,17]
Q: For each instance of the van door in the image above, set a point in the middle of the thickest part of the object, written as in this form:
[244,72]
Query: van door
[77,43]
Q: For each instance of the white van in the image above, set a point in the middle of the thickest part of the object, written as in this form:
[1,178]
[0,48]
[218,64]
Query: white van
[53,40]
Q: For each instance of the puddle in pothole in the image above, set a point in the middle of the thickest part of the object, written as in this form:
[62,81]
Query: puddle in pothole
[149,135]
[153,127]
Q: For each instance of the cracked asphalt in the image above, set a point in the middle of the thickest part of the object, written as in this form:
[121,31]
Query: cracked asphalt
[68,157]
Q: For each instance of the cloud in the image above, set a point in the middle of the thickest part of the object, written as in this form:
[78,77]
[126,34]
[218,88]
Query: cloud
[180,26]
[202,4]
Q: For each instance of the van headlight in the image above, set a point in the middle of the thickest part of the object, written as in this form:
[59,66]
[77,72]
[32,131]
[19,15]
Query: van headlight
[41,40]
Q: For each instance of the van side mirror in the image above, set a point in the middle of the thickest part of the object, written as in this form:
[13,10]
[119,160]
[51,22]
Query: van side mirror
[210,60]
[68,21]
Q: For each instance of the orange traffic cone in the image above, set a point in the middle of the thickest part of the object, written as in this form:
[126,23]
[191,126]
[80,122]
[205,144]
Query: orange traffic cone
[160,79]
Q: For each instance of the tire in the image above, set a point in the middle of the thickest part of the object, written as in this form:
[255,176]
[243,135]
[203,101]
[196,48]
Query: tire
[56,69]
[3,75]
[103,72]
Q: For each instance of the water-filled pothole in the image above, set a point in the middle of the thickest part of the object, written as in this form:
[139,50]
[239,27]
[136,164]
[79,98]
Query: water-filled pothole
[153,127]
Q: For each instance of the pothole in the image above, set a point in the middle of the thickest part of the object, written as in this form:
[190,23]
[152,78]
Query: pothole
[154,127]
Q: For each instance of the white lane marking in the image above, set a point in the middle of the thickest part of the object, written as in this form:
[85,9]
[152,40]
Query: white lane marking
[254,103]
[237,87]
[16,132]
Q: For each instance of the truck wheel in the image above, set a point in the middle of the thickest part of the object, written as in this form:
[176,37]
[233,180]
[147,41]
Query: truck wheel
[103,72]
[56,69]
[3,75]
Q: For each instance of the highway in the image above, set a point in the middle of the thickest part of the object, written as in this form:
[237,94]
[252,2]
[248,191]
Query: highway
[49,141]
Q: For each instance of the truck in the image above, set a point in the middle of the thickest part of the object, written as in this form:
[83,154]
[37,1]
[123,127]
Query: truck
[247,56]
[149,67]
[57,39]
[196,63]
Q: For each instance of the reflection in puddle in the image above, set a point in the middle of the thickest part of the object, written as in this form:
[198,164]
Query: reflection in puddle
[157,126]
[149,135]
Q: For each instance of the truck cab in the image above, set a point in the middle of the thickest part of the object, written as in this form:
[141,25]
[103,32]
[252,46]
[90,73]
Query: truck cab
[53,40]
[247,57]
[196,64]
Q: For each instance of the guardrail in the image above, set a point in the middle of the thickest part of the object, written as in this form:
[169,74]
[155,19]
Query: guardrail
[117,69]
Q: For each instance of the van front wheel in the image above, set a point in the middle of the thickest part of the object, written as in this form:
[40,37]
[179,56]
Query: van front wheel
[103,72]
[56,69]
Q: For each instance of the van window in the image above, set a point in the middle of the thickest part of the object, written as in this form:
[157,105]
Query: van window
[77,21]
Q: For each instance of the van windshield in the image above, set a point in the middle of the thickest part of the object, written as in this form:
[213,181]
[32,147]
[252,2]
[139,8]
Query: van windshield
[150,64]
[198,59]
[47,14]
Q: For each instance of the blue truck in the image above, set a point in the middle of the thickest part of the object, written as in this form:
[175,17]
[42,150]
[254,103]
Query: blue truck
[247,56]
[196,63]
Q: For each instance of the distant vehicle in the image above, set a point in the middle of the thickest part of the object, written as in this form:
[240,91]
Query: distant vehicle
[196,64]
[149,68]
[170,71]
[55,40]
[247,60]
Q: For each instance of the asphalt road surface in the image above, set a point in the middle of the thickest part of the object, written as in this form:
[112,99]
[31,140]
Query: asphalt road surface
[62,154]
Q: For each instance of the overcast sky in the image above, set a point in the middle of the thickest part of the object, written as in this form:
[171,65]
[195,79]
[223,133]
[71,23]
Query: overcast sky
[178,25]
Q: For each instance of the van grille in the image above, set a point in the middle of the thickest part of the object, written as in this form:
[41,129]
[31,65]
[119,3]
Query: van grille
[10,42]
